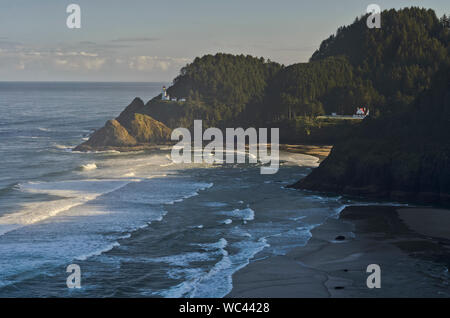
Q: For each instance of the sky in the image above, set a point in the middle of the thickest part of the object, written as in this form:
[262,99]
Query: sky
[146,40]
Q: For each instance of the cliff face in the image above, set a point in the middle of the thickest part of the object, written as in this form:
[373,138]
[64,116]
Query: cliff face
[399,175]
[131,130]
[147,130]
[110,135]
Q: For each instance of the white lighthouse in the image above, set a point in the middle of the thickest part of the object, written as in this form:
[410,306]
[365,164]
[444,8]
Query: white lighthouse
[164,95]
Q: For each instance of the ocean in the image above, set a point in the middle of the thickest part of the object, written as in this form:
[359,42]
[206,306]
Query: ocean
[136,224]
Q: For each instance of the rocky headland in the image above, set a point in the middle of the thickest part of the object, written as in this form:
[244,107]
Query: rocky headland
[132,130]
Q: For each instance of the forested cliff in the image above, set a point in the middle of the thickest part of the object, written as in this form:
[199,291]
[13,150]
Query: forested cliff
[404,153]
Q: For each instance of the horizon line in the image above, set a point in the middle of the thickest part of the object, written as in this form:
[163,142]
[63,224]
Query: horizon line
[68,81]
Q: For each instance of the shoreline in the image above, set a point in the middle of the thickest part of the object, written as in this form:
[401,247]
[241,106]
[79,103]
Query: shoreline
[412,253]
[319,151]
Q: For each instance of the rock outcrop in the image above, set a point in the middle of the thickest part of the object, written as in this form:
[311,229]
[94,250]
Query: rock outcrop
[130,131]
[421,175]
[147,130]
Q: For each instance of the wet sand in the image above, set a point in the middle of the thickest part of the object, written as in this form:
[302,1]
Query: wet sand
[411,245]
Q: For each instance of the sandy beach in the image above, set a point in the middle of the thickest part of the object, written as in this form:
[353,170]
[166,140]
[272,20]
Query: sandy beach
[319,151]
[411,246]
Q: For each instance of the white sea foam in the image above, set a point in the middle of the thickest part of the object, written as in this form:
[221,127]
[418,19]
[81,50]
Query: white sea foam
[197,226]
[44,129]
[63,147]
[98,252]
[182,259]
[202,187]
[89,166]
[246,214]
[298,218]
[221,244]
[193,283]
[299,159]
[217,282]
[284,241]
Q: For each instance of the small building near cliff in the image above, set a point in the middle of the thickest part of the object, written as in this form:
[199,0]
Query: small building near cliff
[361,112]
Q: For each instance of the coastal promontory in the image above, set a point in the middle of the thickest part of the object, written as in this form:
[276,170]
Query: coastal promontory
[130,131]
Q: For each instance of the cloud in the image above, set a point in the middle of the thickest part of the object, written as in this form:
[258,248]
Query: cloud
[81,63]
[103,46]
[85,62]
[149,63]
[20,65]
[74,53]
[87,43]
[94,64]
[136,39]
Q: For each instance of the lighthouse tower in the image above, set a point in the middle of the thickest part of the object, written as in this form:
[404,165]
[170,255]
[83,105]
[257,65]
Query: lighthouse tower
[164,95]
